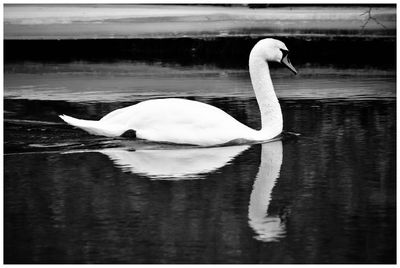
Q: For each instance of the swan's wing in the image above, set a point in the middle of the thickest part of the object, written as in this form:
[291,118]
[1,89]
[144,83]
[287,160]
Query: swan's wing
[116,113]
[179,121]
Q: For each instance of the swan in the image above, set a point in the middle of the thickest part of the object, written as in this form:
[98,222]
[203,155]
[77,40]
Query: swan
[182,121]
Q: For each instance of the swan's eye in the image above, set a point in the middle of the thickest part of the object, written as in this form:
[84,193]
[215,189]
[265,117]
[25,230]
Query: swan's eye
[284,52]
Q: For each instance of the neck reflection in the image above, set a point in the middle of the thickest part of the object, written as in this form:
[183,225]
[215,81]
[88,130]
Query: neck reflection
[267,227]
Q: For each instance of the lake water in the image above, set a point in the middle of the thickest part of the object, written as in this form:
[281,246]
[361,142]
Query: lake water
[324,193]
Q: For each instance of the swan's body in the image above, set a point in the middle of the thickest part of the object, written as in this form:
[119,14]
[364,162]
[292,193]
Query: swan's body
[191,122]
[173,120]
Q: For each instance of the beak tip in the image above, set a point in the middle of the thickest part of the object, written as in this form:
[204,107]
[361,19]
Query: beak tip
[293,70]
[285,61]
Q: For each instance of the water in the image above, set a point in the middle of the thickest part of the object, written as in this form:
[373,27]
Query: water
[324,196]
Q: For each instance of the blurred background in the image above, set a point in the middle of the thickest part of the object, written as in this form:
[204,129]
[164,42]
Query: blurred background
[198,34]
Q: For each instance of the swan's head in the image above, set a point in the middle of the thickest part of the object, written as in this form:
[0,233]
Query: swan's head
[273,50]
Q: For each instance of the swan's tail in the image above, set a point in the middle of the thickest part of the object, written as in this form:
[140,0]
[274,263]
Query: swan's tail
[93,127]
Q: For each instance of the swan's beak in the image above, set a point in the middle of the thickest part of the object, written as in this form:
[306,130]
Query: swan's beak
[285,61]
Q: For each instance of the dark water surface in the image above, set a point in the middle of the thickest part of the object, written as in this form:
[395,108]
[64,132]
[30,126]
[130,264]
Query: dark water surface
[326,196]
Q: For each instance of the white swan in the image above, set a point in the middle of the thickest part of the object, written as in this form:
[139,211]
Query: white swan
[190,122]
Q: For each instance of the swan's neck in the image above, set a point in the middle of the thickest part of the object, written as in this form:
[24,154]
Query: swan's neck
[271,114]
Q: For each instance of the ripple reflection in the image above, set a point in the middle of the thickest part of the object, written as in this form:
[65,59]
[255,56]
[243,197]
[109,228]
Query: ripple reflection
[174,164]
[267,227]
[196,163]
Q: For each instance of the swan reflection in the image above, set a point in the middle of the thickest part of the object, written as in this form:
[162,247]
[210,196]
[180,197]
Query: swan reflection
[178,164]
[174,164]
[267,227]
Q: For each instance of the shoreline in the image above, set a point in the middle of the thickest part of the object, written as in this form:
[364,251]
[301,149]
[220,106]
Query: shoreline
[71,22]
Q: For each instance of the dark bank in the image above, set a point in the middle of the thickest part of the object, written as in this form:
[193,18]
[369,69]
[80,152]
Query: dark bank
[219,51]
